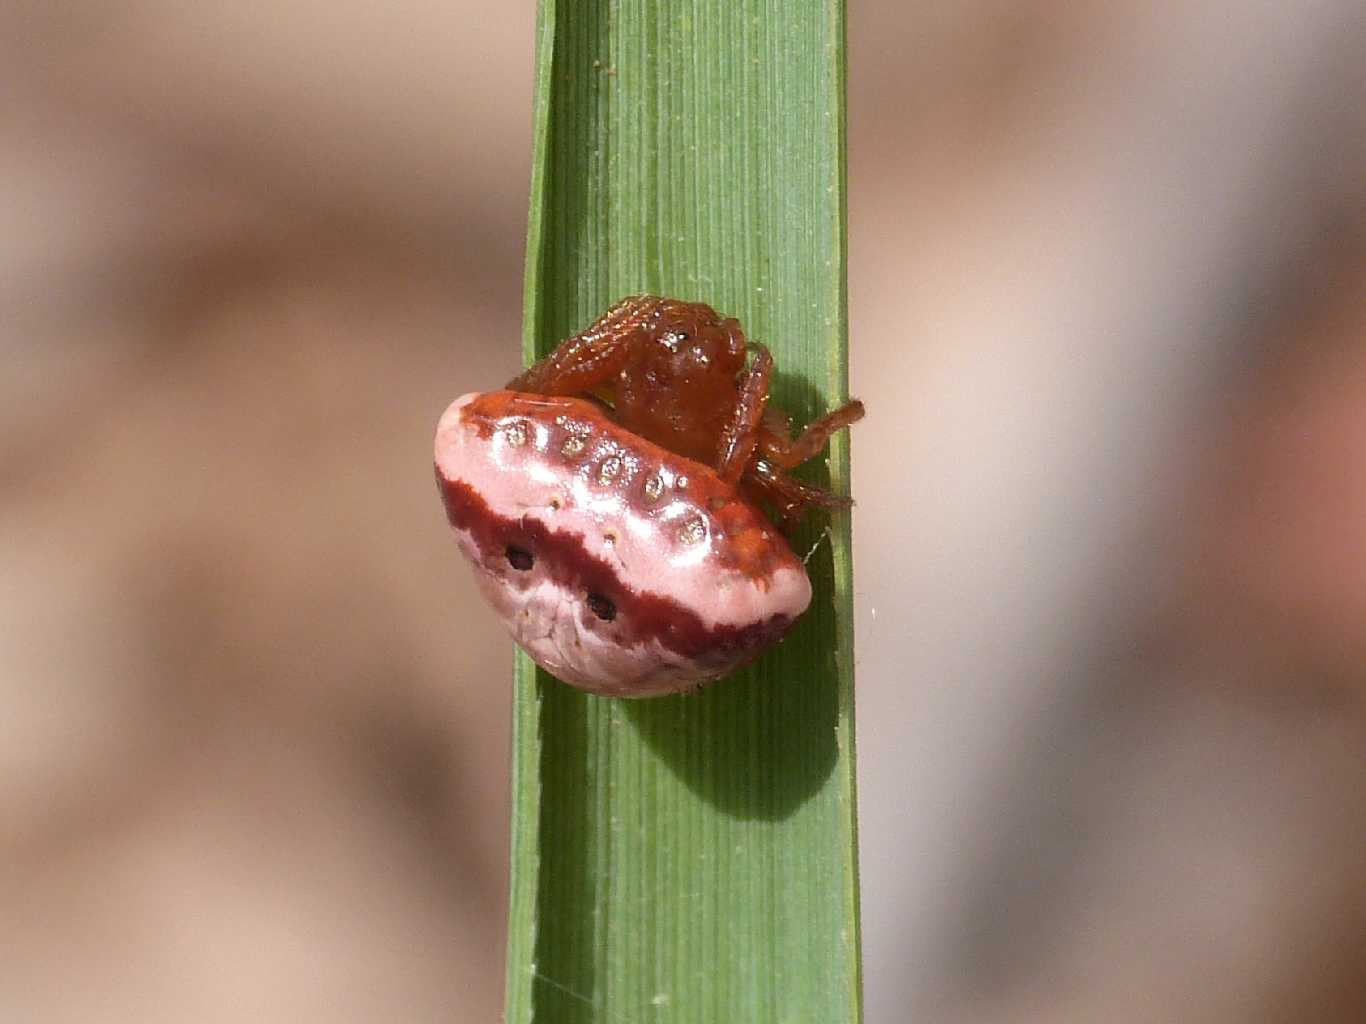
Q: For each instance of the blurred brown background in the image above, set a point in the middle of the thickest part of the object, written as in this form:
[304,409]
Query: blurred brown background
[1108,291]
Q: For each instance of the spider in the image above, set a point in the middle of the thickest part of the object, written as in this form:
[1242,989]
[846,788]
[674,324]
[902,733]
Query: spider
[609,500]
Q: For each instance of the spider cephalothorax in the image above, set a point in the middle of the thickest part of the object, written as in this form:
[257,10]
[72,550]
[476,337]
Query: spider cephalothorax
[674,373]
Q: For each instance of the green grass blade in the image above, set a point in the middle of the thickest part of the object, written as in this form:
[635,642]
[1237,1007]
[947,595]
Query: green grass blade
[695,858]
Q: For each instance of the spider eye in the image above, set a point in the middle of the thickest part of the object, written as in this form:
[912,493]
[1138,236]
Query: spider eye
[519,558]
[602,607]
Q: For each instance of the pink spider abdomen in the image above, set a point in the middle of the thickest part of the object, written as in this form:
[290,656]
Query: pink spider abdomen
[620,567]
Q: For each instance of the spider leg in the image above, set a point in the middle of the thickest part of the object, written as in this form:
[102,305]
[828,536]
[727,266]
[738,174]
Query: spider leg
[788,497]
[742,432]
[785,453]
[592,357]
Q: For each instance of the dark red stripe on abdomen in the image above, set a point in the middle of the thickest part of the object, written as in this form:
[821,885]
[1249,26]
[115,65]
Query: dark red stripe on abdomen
[642,615]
